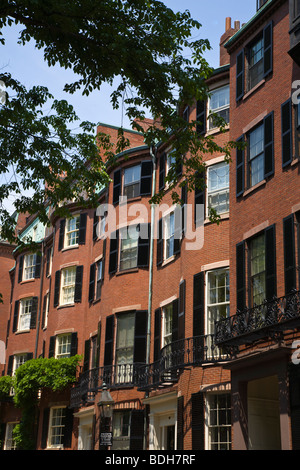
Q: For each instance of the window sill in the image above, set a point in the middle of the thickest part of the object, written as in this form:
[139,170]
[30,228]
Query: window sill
[223,216]
[27,281]
[127,271]
[254,89]
[295,161]
[130,199]
[216,130]
[65,306]
[168,261]
[22,331]
[253,188]
[67,248]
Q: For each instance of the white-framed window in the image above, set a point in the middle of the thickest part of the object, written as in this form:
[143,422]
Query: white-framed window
[68,285]
[25,314]
[128,248]
[218,421]
[99,277]
[125,346]
[171,160]
[169,234]
[56,426]
[218,104]
[258,269]
[72,231]
[167,324]
[132,178]
[121,430]
[256,156]
[255,62]
[9,443]
[218,187]
[46,310]
[63,346]
[29,266]
[19,359]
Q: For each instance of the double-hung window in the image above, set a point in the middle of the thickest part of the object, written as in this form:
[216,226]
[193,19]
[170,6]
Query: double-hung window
[169,235]
[121,430]
[25,314]
[9,443]
[63,346]
[125,347]
[258,270]
[167,325]
[256,156]
[219,421]
[72,231]
[99,278]
[218,187]
[298,126]
[219,105]
[132,178]
[128,248]
[56,427]
[29,266]
[19,360]
[256,63]
[68,285]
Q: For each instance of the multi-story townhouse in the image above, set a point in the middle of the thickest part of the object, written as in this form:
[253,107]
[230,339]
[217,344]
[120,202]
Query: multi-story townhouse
[262,331]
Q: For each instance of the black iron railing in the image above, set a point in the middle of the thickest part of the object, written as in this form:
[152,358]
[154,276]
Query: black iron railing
[174,358]
[265,320]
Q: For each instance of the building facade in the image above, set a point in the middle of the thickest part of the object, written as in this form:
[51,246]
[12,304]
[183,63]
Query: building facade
[192,335]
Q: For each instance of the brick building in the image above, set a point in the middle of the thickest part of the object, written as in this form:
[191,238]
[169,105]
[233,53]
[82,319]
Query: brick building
[154,317]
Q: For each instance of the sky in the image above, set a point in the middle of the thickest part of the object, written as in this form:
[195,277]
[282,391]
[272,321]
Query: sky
[27,65]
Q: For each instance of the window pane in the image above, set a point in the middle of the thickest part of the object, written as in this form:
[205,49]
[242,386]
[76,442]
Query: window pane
[256,155]
[258,280]
[256,63]
[132,178]
[169,234]
[25,314]
[29,268]
[68,285]
[219,422]
[219,104]
[129,249]
[72,231]
[218,187]
[57,427]
[63,346]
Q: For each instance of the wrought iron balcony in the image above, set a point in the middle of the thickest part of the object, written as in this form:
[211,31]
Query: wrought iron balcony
[267,320]
[174,358]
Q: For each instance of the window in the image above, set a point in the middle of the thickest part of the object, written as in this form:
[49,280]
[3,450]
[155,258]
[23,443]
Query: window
[171,160]
[132,177]
[256,63]
[19,359]
[63,346]
[217,297]
[25,314]
[125,347]
[167,325]
[45,310]
[121,430]
[72,231]
[128,248]
[169,235]
[219,105]
[29,266]
[298,128]
[99,278]
[257,270]
[297,8]
[256,156]
[219,421]
[9,443]
[218,187]
[56,427]
[68,286]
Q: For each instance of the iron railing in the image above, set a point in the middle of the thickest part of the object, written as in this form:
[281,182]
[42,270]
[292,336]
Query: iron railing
[174,358]
[265,320]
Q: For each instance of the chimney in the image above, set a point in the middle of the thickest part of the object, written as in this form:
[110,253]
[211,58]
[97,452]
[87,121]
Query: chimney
[229,32]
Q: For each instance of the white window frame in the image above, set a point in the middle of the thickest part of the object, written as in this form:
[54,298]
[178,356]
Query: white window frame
[19,360]
[208,426]
[63,340]
[217,110]
[99,278]
[121,441]
[124,368]
[29,266]
[53,426]
[47,309]
[25,311]
[132,183]
[167,321]
[9,443]
[128,233]
[70,231]
[65,299]
[169,234]
[220,190]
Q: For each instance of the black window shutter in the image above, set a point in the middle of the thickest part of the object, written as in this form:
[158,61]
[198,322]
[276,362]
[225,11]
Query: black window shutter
[157,334]
[20,274]
[78,284]
[162,171]
[92,282]
[240,276]
[160,244]
[240,75]
[95,223]
[270,250]
[199,196]
[289,254]
[269,144]
[44,310]
[268,49]
[57,288]
[201,117]
[140,336]
[29,356]
[52,346]
[137,430]
[10,365]
[180,422]
[33,315]
[109,338]
[240,168]
[294,396]
[198,304]
[98,344]
[82,228]
[286,133]
[37,272]
[181,312]
[113,254]
[198,421]
[61,234]
[146,178]
[68,428]
[16,316]
[45,426]
[184,208]
[2,435]
[175,304]
[117,186]
[144,246]
[177,230]
[74,344]
[86,357]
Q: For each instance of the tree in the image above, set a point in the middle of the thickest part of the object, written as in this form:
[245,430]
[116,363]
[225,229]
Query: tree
[140,41]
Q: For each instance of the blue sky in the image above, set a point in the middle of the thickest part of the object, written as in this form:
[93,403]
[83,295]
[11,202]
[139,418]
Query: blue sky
[27,65]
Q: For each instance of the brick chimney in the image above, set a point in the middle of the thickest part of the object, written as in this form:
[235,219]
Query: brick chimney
[229,32]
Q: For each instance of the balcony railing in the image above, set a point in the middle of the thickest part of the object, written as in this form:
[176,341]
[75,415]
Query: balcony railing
[174,358]
[261,321]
